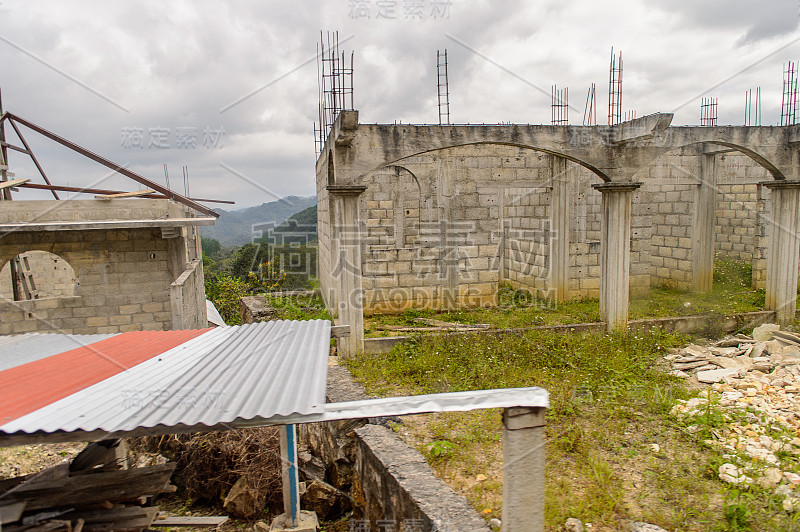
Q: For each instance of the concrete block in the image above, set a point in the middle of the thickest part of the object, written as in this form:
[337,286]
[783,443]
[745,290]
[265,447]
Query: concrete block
[97,321]
[307,522]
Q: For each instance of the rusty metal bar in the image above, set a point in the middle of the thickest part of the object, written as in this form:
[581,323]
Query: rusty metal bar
[104,191]
[33,157]
[113,166]
[3,152]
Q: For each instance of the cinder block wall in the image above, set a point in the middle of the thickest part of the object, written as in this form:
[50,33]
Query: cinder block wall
[122,276]
[742,208]
[667,199]
[123,283]
[53,276]
[495,202]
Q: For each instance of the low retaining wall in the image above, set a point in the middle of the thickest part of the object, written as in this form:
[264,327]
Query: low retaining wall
[681,324]
[387,480]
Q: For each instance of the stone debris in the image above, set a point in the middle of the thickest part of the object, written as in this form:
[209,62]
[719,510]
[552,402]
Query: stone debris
[638,526]
[733,475]
[769,348]
[763,333]
[573,524]
[755,387]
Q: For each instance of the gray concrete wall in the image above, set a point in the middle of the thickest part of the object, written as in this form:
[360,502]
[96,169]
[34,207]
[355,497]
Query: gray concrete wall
[445,226]
[54,277]
[386,478]
[122,276]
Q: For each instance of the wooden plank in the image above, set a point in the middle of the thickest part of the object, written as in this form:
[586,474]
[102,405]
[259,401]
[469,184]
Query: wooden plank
[340,331]
[126,194]
[10,513]
[199,521]
[51,473]
[13,183]
[123,485]
[103,191]
[131,517]
[96,453]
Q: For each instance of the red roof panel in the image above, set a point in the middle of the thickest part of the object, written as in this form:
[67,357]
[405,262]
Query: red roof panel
[63,374]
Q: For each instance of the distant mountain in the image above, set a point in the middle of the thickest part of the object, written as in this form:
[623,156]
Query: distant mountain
[303,224]
[303,220]
[235,228]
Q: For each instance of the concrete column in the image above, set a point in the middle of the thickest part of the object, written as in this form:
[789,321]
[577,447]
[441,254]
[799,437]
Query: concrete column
[783,248]
[502,235]
[703,223]
[448,244]
[523,469]
[346,270]
[615,252]
[559,230]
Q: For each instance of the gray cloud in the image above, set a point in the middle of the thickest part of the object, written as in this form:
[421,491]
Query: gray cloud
[177,64]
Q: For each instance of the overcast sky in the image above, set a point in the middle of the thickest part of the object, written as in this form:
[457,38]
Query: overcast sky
[139,81]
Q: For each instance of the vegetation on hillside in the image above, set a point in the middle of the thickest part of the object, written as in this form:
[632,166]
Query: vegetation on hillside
[284,258]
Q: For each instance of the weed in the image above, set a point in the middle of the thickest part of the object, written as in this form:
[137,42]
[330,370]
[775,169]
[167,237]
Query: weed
[441,449]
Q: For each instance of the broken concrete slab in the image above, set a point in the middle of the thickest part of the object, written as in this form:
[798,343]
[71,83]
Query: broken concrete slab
[765,332]
[715,375]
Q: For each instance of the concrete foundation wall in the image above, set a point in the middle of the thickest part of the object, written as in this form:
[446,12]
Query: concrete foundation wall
[122,276]
[388,481]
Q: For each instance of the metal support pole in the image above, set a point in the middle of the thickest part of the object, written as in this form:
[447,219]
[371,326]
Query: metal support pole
[523,469]
[291,485]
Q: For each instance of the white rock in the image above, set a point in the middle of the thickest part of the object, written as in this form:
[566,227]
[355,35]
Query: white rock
[680,374]
[645,527]
[694,402]
[656,448]
[715,375]
[762,333]
[496,524]
[696,350]
[764,455]
[725,362]
[724,351]
[758,348]
[572,525]
[772,477]
[791,504]
[793,478]
[731,474]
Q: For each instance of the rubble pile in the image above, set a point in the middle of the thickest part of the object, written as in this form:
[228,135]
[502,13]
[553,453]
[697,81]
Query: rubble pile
[755,387]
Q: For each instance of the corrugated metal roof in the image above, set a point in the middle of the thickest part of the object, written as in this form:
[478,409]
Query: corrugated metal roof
[186,381]
[225,375]
[213,315]
[24,348]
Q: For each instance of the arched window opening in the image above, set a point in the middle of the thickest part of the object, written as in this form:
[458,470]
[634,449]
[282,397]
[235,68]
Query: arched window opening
[37,275]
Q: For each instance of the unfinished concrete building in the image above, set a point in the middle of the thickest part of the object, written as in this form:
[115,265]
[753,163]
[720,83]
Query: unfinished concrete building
[437,216]
[123,261]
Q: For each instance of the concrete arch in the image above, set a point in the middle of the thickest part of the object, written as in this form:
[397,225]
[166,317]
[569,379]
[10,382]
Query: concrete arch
[599,173]
[401,218]
[758,158]
[52,275]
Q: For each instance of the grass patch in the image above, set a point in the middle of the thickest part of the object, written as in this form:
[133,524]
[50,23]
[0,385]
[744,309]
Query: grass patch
[731,294]
[610,403]
[298,307]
